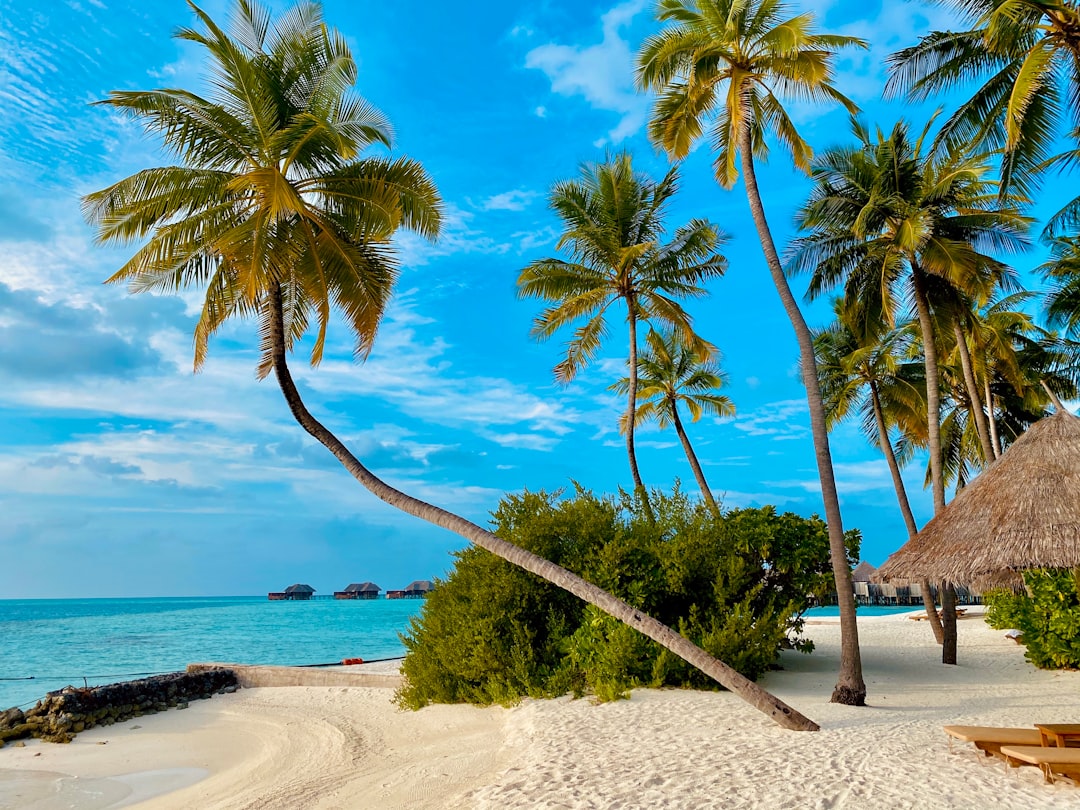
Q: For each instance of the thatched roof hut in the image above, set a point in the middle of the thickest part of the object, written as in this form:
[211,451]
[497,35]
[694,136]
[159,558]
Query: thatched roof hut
[863,571]
[1023,512]
[363,587]
[419,587]
[300,588]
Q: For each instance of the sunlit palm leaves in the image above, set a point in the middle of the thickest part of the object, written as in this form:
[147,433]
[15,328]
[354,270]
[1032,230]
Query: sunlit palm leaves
[1026,54]
[269,192]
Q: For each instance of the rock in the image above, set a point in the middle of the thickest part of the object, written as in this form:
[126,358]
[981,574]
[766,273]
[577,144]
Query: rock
[11,717]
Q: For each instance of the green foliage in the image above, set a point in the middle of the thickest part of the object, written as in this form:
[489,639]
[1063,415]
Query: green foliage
[1004,608]
[736,585]
[1051,621]
[1048,615]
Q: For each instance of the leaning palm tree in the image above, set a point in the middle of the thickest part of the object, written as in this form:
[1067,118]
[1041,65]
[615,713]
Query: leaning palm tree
[1027,54]
[272,212]
[613,220]
[670,373]
[885,220]
[732,63]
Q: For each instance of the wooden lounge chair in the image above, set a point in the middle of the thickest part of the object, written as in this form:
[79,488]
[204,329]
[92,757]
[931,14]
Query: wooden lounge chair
[1053,761]
[989,739]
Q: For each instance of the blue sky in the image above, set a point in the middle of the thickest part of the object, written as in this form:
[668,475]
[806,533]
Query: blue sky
[122,473]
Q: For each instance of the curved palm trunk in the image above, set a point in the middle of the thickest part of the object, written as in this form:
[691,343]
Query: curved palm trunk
[631,412]
[850,687]
[905,507]
[691,456]
[974,397]
[933,426]
[780,712]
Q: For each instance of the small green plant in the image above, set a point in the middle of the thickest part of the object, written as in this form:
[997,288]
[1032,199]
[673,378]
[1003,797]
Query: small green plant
[735,584]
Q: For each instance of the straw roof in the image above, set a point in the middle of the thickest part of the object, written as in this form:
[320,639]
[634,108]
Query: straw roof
[299,588]
[863,571]
[1022,512]
[419,586]
[363,587]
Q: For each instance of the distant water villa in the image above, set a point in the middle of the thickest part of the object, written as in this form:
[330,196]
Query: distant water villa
[417,589]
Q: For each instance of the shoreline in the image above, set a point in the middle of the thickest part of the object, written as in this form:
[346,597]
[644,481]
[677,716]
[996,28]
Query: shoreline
[330,747]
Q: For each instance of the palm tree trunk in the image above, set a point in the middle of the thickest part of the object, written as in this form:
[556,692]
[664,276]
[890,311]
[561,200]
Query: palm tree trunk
[933,426]
[890,457]
[991,410]
[691,456]
[933,389]
[850,687]
[780,712]
[905,507]
[972,387]
[631,412]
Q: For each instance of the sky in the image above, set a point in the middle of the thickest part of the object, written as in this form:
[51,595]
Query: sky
[123,473]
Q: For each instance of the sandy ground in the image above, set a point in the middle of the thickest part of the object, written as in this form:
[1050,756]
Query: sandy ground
[333,747]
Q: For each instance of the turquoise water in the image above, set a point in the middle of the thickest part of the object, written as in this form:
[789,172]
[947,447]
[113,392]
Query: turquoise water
[864,610]
[62,641]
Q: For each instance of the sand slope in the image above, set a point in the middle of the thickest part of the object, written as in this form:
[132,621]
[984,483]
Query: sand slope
[325,747]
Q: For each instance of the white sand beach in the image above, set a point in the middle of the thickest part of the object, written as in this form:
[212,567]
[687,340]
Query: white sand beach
[334,747]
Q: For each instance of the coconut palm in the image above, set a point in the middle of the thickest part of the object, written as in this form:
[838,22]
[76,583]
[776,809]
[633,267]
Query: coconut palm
[865,369]
[1026,53]
[613,220]
[886,220]
[670,373]
[731,64]
[271,210]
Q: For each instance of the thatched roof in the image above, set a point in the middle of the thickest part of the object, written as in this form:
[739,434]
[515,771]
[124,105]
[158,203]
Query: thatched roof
[862,572]
[299,588]
[363,587]
[419,586]
[1022,512]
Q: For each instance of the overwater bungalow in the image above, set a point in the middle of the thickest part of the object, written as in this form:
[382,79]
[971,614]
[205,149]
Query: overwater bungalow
[417,589]
[297,592]
[359,590]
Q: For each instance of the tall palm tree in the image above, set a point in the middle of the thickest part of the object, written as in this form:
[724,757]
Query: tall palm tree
[670,373]
[1026,53]
[273,212]
[731,63]
[613,221]
[865,369]
[887,219]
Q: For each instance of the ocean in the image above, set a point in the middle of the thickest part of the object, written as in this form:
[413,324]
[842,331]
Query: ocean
[48,644]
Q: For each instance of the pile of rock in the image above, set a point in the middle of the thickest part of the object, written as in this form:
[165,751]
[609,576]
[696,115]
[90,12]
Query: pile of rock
[62,715]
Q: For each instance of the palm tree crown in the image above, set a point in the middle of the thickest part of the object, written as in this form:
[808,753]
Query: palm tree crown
[269,195]
[734,61]
[1027,52]
[613,220]
[671,373]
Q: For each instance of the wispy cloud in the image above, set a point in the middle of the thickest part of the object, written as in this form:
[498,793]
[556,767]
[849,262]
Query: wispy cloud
[603,73]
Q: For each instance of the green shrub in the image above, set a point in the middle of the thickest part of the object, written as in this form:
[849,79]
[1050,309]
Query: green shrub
[736,585]
[1050,621]
[1004,608]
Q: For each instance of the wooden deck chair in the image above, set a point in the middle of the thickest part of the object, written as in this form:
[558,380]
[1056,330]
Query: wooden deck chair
[989,739]
[1053,761]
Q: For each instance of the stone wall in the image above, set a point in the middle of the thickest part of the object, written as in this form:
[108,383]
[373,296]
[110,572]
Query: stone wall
[61,715]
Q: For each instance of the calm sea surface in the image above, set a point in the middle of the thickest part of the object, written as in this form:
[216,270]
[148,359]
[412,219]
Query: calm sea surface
[62,641]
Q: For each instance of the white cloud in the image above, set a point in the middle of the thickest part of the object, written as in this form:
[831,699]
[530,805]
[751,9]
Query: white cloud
[778,420]
[517,200]
[541,111]
[603,74]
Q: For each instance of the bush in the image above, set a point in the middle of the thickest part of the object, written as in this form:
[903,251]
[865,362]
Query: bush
[736,585]
[1048,616]
[1050,621]
[1004,608]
